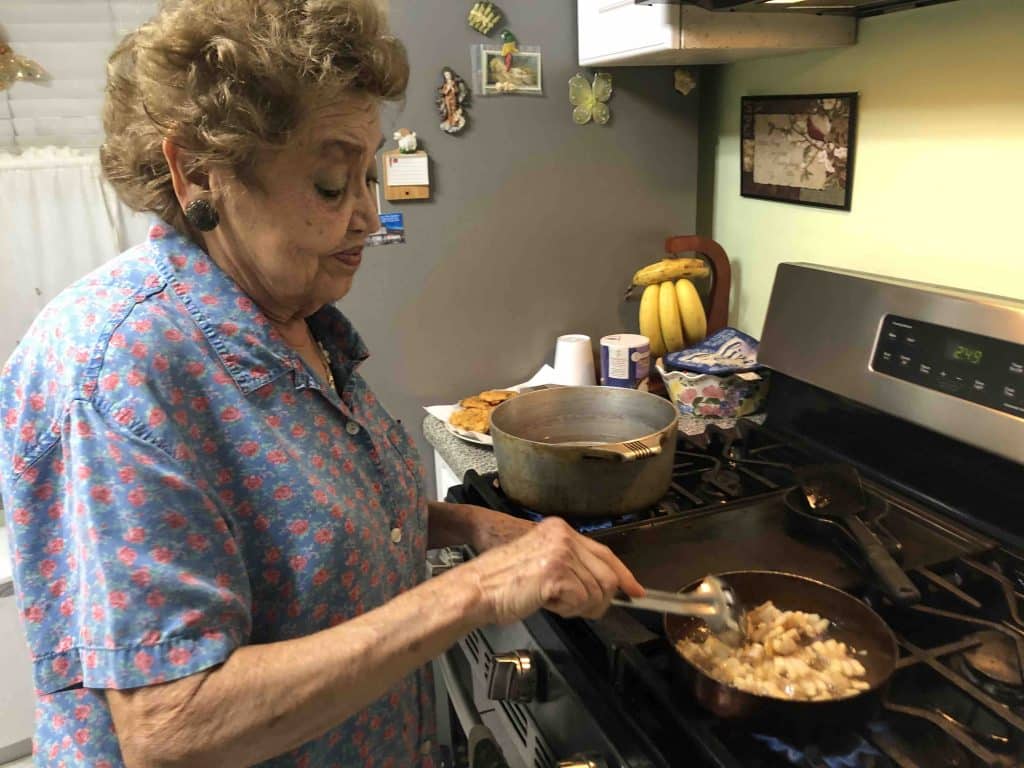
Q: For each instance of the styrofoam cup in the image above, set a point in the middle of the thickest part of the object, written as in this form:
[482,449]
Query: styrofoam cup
[574,360]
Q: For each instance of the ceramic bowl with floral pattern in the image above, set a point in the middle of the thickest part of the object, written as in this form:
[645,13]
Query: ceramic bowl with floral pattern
[708,396]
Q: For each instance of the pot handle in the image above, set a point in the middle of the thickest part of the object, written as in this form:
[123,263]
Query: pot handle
[631,450]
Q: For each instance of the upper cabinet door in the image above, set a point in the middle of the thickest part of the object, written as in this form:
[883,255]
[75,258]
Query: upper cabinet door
[613,31]
[620,33]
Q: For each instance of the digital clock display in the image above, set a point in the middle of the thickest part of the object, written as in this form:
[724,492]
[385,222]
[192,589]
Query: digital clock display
[964,353]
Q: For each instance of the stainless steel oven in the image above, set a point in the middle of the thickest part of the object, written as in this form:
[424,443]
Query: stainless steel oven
[921,390]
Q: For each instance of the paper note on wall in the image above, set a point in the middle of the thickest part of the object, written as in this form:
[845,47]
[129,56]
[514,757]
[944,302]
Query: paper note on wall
[408,170]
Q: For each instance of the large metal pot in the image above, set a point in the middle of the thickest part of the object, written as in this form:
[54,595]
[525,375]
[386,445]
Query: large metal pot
[585,451]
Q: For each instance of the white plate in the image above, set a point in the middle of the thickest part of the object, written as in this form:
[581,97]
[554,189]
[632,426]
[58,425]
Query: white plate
[442,412]
[470,437]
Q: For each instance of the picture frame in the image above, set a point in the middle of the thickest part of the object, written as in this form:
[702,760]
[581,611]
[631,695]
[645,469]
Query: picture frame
[799,148]
[491,78]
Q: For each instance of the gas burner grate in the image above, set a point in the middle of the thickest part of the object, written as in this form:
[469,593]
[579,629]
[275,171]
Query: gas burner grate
[994,666]
[933,716]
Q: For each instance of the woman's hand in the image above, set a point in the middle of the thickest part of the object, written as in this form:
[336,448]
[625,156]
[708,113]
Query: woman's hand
[553,567]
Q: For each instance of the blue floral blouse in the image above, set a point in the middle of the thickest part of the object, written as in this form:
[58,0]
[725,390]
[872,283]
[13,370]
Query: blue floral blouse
[178,484]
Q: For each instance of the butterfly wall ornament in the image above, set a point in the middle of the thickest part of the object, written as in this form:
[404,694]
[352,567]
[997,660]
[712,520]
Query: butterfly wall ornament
[590,101]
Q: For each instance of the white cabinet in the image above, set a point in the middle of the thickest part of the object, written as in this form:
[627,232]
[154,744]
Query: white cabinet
[619,29]
[620,32]
[444,476]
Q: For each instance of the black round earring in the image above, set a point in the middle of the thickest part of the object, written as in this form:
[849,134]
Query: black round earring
[202,215]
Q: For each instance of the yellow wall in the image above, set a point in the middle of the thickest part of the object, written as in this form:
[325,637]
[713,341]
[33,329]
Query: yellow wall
[938,180]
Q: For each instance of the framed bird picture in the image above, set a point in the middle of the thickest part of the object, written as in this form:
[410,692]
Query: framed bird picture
[508,68]
[799,149]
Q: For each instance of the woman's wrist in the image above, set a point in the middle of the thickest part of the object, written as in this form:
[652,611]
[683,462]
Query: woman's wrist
[479,527]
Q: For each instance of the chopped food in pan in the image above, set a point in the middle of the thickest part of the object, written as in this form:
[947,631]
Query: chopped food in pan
[784,656]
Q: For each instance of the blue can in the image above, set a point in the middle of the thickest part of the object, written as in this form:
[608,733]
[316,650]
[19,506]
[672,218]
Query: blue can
[625,360]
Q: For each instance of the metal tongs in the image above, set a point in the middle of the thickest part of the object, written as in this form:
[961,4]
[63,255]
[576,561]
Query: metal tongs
[713,600]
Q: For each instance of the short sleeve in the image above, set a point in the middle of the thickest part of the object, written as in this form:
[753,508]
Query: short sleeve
[129,574]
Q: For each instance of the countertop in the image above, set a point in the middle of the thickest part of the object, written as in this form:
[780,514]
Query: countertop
[462,456]
[456,452]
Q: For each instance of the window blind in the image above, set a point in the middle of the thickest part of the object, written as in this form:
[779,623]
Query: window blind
[71,40]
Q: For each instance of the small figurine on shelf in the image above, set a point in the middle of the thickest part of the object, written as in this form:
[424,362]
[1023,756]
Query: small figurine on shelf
[452,99]
[406,140]
[483,16]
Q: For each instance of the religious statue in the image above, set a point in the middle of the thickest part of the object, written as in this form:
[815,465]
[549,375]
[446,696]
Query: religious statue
[452,99]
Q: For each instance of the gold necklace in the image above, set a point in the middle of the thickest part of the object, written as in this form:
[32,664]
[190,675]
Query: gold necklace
[326,358]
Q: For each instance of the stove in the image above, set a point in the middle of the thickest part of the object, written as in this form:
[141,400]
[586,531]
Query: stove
[921,389]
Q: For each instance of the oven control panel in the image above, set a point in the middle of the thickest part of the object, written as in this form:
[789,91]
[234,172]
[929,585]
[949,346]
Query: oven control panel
[976,368]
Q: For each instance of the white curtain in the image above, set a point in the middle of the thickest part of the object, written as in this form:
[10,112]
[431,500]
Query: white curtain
[58,221]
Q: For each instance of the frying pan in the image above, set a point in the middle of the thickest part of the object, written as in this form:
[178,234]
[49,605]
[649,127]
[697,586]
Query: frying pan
[834,497]
[852,623]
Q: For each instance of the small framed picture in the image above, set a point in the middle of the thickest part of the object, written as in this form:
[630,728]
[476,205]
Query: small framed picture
[799,149]
[496,73]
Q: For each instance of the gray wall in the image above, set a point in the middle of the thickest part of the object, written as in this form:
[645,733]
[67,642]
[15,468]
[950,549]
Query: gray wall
[535,224]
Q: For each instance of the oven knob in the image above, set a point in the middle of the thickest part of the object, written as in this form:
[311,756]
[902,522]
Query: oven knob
[584,761]
[441,560]
[513,677]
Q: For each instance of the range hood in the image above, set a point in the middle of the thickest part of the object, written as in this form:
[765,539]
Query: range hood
[857,8]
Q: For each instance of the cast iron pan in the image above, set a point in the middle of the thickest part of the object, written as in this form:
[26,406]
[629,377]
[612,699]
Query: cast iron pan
[852,623]
[834,497]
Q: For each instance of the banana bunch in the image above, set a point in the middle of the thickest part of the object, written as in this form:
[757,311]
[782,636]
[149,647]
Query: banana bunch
[672,316]
[670,269]
[667,269]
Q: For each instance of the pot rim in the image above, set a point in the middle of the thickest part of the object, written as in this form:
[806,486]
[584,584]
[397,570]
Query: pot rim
[496,430]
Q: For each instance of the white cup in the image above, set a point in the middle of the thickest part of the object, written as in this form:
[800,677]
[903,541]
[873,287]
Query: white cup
[574,360]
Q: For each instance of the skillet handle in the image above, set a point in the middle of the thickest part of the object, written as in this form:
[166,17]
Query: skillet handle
[895,581]
[631,450]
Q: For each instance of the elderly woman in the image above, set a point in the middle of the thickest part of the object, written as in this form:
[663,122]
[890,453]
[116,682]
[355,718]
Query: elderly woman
[219,533]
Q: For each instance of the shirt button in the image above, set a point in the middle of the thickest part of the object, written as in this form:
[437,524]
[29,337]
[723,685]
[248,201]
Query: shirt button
[352,428]
[396,535]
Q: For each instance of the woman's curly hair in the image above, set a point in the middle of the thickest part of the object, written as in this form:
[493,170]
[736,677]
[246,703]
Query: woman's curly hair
[225,78]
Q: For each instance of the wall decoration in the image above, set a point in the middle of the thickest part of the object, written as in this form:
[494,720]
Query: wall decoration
[799,149]
[509,46]
[452,100]
[406,140]
[510,68]
[684,81]
[589,101]
[13,67]
[483,17]
[406,170]
[391,232]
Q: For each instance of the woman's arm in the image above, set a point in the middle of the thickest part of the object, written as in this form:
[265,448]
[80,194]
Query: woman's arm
[479,527]
[267,699]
